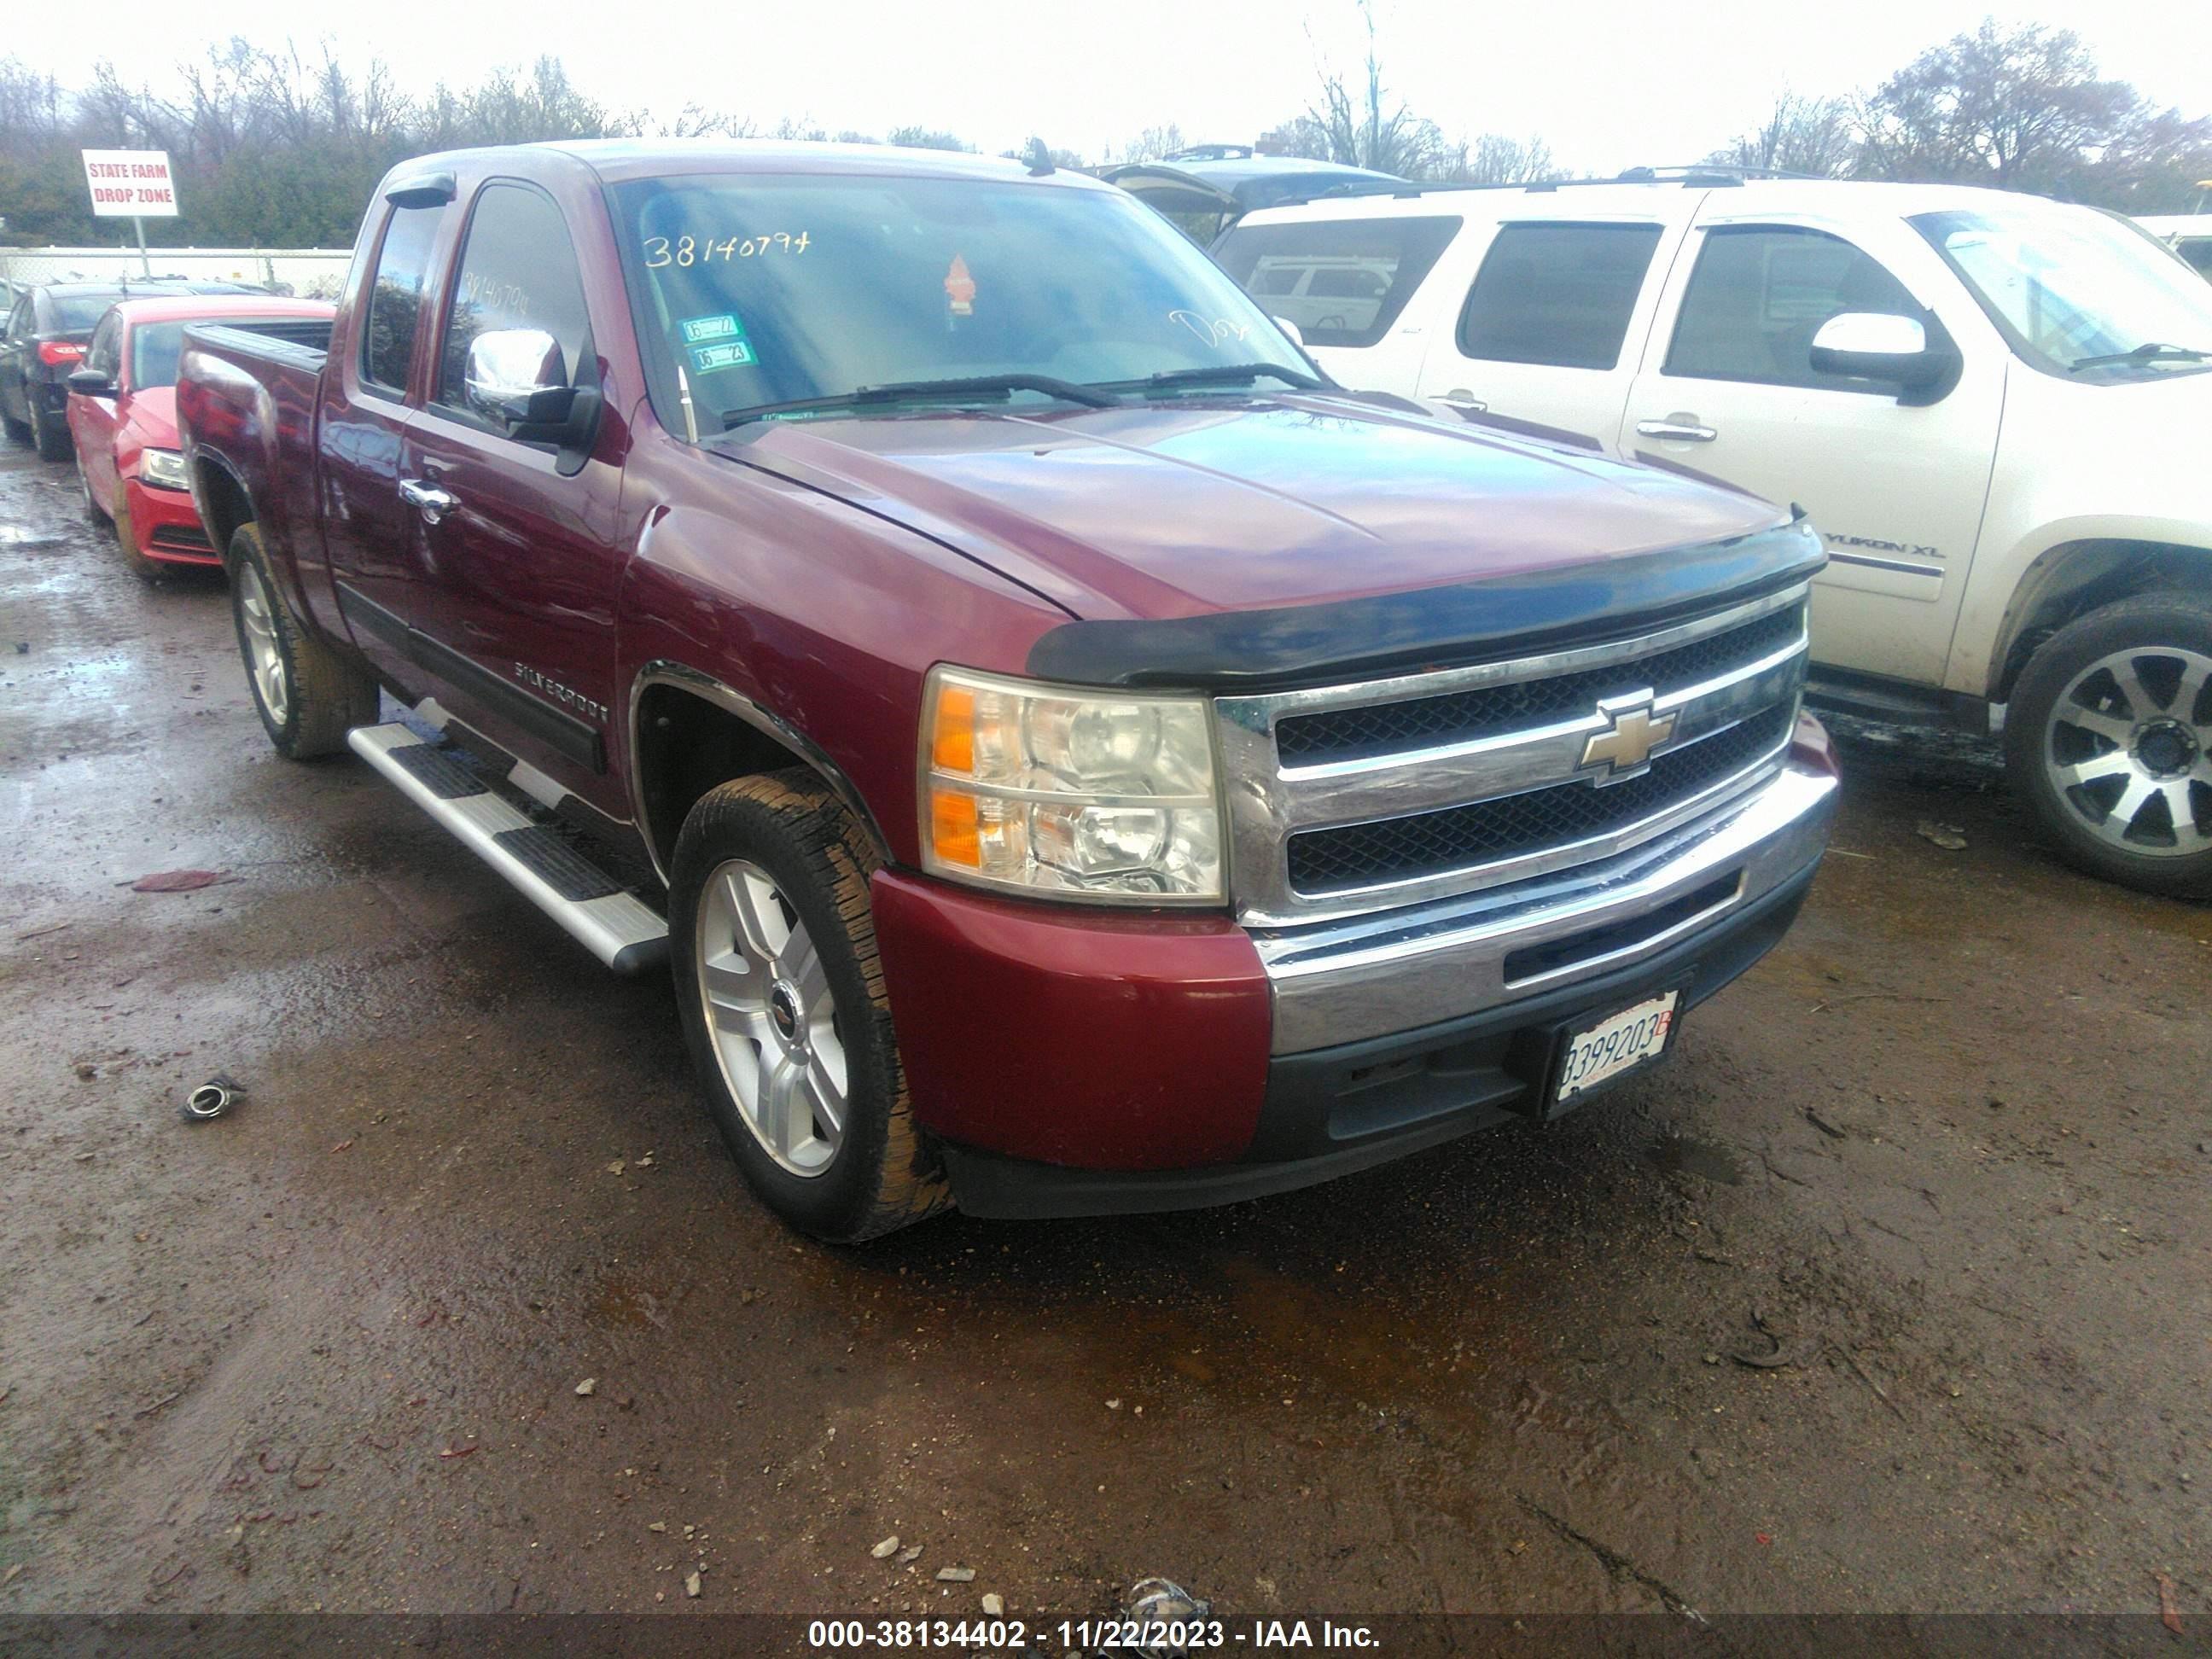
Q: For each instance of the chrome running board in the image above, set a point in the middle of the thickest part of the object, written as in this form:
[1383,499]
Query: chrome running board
[591,906]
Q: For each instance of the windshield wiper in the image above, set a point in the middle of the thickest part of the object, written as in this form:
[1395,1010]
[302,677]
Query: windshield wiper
[976,385]
[1225,374]
[2150,351]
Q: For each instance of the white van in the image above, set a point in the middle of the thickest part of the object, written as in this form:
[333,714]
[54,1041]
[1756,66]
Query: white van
[1998,409]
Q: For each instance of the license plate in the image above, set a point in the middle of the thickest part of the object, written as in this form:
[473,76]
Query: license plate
[1618,1042]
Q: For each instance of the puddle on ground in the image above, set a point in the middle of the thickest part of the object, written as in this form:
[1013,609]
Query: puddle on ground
[1680,1154]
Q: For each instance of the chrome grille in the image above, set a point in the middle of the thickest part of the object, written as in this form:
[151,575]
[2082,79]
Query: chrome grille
[1356,798]
[1427,843]
[1457,716]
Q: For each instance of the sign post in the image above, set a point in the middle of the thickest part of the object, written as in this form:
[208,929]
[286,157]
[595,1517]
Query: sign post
[134,184]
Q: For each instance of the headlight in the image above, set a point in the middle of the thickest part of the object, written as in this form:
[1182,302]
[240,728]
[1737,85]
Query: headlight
[162,467]
[1075,794]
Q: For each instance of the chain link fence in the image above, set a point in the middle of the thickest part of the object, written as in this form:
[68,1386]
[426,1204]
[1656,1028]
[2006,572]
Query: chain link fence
[305,273]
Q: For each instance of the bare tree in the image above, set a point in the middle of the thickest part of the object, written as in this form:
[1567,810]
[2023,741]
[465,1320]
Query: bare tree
[1495,159]
[1810,136]
[1152,144]
[1357,121]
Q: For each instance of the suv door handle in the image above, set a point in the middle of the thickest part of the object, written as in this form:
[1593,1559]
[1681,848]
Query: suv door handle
[1459,398]
[432,502]
[1681,431]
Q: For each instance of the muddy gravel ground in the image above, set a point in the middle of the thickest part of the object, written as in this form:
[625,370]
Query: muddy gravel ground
[1891,1292]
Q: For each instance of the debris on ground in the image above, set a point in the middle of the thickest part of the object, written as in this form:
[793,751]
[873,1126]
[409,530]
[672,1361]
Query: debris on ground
[2169,1609]
[616,1167]
[691,1585]
[656,1525]
[912,1552]
[956,1575]
[887,1549]
[994,1607]
[179,881]
[589,1386]
[1949,837]
[211,1099]
[1162,1601]
[1824,1126]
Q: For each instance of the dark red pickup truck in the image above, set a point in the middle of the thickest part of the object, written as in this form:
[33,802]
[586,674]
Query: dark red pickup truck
[1083,760]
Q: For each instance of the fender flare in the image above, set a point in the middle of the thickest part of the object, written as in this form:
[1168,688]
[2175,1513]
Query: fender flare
[720,694]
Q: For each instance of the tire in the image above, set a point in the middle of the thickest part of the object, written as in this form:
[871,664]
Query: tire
[308,696]
[765,868]
[152,572]
[93,509]
[2109,736]
[51,433]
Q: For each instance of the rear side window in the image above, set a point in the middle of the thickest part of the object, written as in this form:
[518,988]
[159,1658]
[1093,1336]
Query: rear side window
[1343,281]
[1557,294]
[76,313]
[1758,296]
[2197,250]
[517,270]
[387,343]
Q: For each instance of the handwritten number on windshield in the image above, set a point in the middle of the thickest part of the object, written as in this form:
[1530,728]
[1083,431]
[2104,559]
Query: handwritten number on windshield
[1211,330]
[699,250]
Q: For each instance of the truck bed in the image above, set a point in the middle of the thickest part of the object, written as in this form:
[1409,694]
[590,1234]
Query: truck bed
[247,397]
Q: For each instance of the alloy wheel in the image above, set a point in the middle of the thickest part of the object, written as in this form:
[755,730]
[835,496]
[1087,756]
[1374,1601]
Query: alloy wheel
[771,1018]
[2129,749]
[264,651]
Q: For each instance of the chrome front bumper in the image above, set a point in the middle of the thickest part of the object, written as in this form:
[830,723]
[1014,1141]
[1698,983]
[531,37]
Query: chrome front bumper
[1367,977]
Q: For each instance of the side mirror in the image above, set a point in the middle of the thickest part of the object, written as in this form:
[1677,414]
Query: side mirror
[517,379]
[91,382]
[1297,335]
[1874,345]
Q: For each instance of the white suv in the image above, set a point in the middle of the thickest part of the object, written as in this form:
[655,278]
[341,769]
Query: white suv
[1997,409]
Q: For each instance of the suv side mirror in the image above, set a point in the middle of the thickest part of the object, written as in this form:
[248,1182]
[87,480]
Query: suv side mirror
[1876,345]
[516,379]
[92,383]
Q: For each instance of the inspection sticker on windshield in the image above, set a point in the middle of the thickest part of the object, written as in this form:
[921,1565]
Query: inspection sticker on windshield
[697,331]
[717,343]
[1602,1050]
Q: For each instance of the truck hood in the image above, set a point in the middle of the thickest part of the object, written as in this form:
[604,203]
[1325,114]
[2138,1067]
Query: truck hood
[1164,511]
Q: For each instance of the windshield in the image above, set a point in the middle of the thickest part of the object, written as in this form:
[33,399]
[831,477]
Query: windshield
[752,291]
[2079,293]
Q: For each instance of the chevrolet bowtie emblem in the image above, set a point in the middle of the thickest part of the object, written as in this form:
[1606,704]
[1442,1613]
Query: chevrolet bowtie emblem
[1628,741]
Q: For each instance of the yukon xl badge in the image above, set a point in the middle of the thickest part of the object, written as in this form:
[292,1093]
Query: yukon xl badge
[1631,733]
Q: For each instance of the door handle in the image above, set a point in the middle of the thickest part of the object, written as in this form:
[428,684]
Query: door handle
[432,502]
[1459,398]
[1680,430]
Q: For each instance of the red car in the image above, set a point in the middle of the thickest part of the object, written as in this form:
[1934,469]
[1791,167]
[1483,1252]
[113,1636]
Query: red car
[122,414]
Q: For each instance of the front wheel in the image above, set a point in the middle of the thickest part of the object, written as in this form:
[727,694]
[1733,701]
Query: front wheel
[308,696]
[2109,735]
[782,993]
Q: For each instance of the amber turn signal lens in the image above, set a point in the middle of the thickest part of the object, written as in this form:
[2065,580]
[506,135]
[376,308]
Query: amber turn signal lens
[952,832]
[952,745]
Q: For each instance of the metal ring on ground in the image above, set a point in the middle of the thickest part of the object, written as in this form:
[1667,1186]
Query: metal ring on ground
[209,1100]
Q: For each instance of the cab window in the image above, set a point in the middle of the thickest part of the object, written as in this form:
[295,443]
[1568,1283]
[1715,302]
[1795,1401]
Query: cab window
[1343,281]
[1759,295]
[387,343]
[518,271]
[1558,295]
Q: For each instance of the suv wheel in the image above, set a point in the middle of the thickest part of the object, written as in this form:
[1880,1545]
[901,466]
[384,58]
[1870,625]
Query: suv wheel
[2109,735]
[784,1010]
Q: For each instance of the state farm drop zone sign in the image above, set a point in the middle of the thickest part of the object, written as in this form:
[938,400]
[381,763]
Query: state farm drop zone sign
[130,184]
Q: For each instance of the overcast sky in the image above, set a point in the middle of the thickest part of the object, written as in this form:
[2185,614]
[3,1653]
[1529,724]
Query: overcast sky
[1608,85]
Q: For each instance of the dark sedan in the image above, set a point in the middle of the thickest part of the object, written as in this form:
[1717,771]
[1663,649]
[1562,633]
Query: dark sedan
[45,339]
